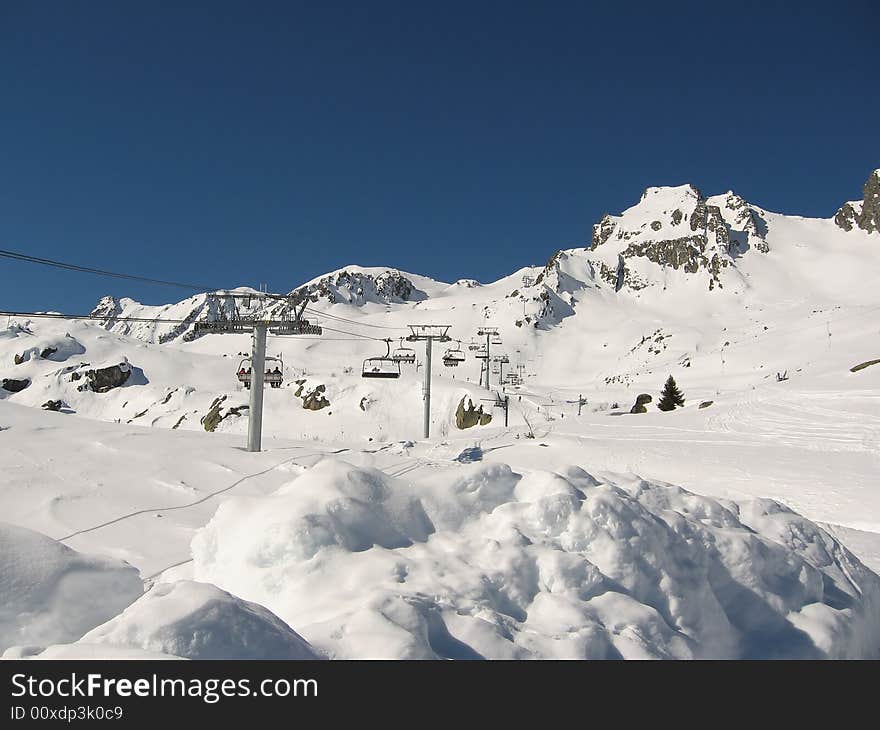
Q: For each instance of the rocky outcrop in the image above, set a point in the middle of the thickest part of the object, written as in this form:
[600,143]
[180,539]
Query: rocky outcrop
[705,404]
[13,385]
[641,401]
[215,415]
[53,405]
[468,415]
[358,287]
[101,380]
[863,365]
[865,213]
[679,229]
[315,400]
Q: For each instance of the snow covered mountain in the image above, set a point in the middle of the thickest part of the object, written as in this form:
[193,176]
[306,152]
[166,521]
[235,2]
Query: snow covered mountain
[569,540]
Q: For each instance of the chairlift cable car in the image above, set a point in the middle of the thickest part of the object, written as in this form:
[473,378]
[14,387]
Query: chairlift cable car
[384,366]
[274,377]
[404,354]
[453,356]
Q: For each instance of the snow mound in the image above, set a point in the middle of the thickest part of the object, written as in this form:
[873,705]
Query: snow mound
[331,505]
[51,594]
[82,651]
[200,621]
[489,563]
[57,348]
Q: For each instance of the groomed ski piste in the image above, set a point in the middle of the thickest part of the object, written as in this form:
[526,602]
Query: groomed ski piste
[744,525]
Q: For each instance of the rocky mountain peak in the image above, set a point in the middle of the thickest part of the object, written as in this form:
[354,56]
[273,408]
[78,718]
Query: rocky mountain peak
[357,285]
[679,228]
[864,213]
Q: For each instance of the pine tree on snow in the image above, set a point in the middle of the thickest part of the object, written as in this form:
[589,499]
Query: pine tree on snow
[671,396]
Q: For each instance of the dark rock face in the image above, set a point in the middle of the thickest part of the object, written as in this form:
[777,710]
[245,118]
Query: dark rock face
[358,288]
[470,416]
[101,380]
[864,214]
[15,386]
[846,216]
[215,416]
[315,400]
[641,401]
[48,352]
[863,365]
[602,230]
[703,238]
[53,405]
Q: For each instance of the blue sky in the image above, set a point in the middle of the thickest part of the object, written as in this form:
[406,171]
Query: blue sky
[260,142]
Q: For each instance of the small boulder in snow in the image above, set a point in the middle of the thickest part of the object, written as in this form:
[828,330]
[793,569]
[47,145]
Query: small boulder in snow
[113,376]
[12,385]
[641,401]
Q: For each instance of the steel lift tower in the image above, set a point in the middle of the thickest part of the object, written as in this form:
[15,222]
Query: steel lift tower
[429,334]
[492,338]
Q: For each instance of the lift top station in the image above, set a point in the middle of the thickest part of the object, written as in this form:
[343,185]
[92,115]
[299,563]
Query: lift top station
[285,318]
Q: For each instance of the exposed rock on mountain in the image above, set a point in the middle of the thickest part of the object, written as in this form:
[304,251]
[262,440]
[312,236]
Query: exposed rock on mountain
[865,213]
[676,228]
[100,380]
[215,415]
[468,415]
[357,286]
[14,385]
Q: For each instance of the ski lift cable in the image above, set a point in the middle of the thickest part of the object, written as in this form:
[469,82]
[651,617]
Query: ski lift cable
[17,256]
[89,270]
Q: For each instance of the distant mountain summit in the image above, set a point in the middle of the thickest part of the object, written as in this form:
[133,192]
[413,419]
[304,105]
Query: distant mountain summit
[677,227]
[674,244]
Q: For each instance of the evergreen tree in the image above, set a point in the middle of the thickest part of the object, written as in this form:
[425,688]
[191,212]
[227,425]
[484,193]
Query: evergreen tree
[671,396]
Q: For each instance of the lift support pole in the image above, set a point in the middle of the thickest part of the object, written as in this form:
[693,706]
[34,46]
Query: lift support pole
[258,367]
[429,347]
[428,333]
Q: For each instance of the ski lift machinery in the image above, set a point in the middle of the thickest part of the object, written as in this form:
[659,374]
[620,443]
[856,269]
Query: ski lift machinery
[384,366]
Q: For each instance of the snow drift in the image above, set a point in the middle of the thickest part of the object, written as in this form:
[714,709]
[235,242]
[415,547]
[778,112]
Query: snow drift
[199,621]
[494,564]
[51,594]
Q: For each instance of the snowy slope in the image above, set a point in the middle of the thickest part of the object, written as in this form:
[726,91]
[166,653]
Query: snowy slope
[761,313]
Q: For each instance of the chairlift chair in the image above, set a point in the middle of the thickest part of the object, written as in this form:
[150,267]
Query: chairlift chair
[404,354]
[273,376]
[384,366]
[453,356]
